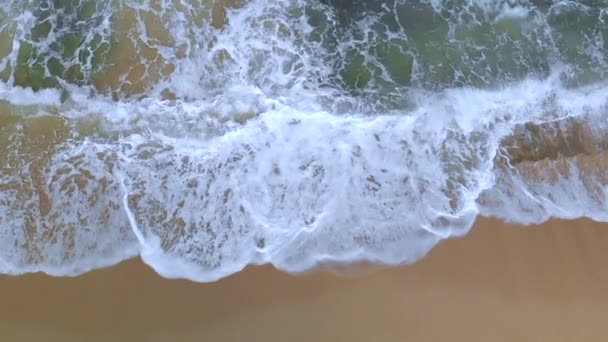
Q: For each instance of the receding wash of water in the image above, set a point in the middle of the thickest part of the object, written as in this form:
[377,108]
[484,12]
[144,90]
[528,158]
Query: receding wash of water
[208,135]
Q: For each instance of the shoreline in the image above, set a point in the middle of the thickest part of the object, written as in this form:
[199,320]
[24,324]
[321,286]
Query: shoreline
[500,282]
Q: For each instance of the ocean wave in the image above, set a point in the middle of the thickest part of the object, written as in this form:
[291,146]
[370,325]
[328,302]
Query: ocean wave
[295,133]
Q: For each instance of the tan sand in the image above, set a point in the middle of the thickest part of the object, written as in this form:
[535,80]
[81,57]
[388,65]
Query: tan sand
[500,283]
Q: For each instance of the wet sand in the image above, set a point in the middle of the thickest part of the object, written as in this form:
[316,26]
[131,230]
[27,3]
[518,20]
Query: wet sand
[499,283]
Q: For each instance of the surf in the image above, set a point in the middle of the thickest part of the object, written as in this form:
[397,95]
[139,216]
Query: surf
[208,136]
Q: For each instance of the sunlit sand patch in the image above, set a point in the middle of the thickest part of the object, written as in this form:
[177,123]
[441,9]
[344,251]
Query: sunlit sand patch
[563,138]
[591,168]
[566,153]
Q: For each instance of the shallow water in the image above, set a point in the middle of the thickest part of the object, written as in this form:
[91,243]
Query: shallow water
[209,135]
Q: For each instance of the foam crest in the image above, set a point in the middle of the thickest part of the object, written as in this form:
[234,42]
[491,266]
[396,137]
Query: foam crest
[19,96]
[296,189]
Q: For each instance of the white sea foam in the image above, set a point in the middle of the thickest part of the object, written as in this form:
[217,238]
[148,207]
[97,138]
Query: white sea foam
[19,96]
[259,163]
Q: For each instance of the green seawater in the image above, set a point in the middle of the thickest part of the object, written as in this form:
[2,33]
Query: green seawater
[376,49]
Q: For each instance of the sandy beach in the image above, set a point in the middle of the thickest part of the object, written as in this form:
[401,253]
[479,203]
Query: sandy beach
[202,124]
[499,283]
